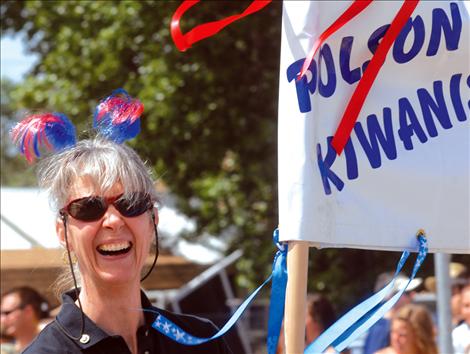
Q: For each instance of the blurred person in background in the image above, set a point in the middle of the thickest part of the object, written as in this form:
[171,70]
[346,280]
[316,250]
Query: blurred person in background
[411,332]
[461,334]
[319,316]
[456,301]
[458,274]
[22,310]
[456,304]
[378,336]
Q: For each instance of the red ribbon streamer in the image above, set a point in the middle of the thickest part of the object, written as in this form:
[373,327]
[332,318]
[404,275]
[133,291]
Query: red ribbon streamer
[184,41]
[343,132]
[356,102]
[355,8]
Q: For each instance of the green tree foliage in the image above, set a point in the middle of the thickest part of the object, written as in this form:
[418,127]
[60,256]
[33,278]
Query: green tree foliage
[210,123]
[14,170]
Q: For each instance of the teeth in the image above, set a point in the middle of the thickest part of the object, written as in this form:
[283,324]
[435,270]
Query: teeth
[113,247]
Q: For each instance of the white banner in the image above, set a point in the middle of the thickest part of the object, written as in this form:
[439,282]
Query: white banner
[407,163]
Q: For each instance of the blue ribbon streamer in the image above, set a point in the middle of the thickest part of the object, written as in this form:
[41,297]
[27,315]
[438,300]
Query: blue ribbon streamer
[363,316]
[278,295]
[276,310]
[339,335]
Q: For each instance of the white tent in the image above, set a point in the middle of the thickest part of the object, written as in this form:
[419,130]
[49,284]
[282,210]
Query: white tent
[28,221]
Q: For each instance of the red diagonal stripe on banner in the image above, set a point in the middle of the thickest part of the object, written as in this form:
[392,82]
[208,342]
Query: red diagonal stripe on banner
[355,8]
[184,41]
[356,102]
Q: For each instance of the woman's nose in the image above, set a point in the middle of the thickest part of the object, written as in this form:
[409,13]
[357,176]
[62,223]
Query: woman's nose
[112,218]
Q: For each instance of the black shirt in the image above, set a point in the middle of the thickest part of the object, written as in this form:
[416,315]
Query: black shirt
[53,340]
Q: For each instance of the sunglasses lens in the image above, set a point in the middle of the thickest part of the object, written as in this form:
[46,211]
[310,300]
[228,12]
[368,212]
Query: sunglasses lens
[87,209]
[133,206]
[93,208]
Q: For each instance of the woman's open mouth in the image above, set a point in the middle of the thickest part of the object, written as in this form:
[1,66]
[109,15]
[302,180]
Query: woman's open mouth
[114,249]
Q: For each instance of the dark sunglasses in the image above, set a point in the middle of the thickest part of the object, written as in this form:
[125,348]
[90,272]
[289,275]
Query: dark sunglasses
[6,313]
[93,208]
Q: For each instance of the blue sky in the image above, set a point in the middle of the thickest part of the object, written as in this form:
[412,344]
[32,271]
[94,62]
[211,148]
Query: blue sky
[15,62]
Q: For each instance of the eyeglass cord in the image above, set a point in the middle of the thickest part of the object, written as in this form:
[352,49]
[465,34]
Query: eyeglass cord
[77,293]
[156,249]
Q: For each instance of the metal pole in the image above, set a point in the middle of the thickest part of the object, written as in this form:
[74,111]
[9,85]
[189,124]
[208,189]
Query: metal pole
[20,232]
[441,268]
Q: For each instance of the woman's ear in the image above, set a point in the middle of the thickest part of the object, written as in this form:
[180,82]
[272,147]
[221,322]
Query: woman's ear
[60,230]
[155,215]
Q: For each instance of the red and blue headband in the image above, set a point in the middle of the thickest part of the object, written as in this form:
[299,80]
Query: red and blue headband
[117,118]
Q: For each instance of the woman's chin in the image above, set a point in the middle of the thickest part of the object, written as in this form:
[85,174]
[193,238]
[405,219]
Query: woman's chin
[116,269]
[117,277]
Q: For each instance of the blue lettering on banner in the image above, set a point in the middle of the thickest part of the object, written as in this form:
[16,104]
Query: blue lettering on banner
[413,124]
[376,37]
[377,136]
[350,76]
[328,89]
[374,41]
[325,165]
[399,46]
[442,26]
[456,98]
[302,86]
[351,160]
[409,124]
[380,139]
[440,23]
[437,106]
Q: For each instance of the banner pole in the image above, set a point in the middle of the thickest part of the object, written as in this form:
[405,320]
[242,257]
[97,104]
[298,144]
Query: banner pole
[296,296]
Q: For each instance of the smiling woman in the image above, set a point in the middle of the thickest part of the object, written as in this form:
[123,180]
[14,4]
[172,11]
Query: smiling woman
[105,200]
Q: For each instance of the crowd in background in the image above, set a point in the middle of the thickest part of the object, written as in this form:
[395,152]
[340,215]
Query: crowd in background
[408,328]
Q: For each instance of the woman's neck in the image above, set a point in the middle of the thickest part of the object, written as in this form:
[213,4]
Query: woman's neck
[116,310]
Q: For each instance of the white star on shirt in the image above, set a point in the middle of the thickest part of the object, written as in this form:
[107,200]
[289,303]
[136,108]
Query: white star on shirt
[166,327]
[179,335]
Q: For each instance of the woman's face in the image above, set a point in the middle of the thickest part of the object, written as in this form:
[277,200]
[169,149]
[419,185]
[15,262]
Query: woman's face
[113,249]
[466,305]
[456,306]
[401,337]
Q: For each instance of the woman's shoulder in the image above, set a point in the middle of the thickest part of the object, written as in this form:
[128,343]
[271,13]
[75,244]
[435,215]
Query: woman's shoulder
[49,341]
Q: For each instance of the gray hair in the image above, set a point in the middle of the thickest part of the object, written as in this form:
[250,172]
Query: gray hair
[104,161]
